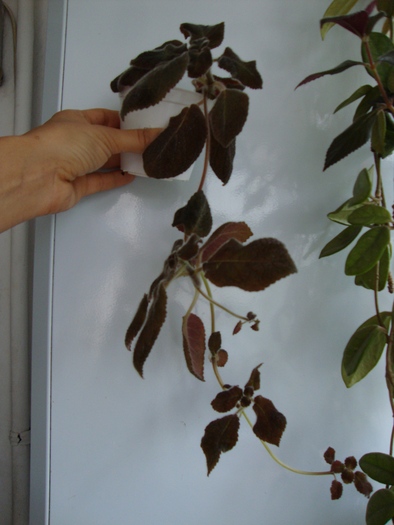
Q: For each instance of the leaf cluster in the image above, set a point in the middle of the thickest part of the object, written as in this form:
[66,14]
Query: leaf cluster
[152,74]
[221,435]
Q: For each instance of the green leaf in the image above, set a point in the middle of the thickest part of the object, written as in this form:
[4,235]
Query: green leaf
[221,159]
[228,115]
[336,8]
[150,331]
[379,45]
[341,241]
[343,66]
[178,146]
[193,332]
[378,136]
[368,279]
[387,6]
[380,508]
[137,322]
[227,399]
[363,187]
[360,92]
[270,423]
[355,136]
[195,217]
[369,214]
[389,139]
[341,214]
[245,72]
[379,467]
[220,436]
[229,230]
[252,267]
[155,85]
[364,349]
[368,250]
[369,101]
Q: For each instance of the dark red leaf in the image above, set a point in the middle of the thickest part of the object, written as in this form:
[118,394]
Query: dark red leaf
[351,462]
[237,327]
[227,399]
[336,489]
[137,322]
[214,34]
[214,342]
[252,267]
[220,436]
[254,379]
[178,146]
[228,115]
[245,72]
[347,476]
[155,85]
[154,322]
[194,344]
[356,23]
[338,69]
[195,217]
[229,230]
[329,455]
[190,248]
[127,79]
[362,484]
[164,53]
[221,357]
[200,62]
[270,423]
[221,159]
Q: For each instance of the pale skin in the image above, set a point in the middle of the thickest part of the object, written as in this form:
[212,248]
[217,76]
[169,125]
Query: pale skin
[52,167]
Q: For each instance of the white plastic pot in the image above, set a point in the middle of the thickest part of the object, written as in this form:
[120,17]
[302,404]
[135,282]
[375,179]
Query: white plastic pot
[157,116]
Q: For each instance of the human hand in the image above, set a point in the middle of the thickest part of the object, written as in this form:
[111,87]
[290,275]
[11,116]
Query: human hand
[50,168]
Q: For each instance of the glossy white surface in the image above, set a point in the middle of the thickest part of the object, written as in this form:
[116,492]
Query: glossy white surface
[127,450]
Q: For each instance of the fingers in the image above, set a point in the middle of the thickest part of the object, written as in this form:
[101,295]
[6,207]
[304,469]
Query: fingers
[135,140]
[102,117]
[98,182]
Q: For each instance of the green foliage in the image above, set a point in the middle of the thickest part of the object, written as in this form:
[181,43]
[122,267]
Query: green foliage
[380,508]
[379,467]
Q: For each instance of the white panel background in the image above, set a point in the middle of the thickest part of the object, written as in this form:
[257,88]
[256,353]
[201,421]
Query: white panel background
[126,450]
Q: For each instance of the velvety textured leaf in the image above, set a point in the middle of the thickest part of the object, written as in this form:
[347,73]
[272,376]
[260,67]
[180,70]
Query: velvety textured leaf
[380,508]
[363,187]
[254,379]
[364,349]
[367,251]
[336,489]
[245,72]
[369,214]
[368,279]
[336,8]
[227,400]
[178,146]
[221,357]
[190,248]
[195,217]
[356,23]
[229,230]
[229,82]
[214,34]
[200,62]
[343,66]
[341,241]
[379,467]
[270,423]
[215,342]
[359,93]
[194,344]
[155,85]
[164,53]
[252,267]
[228,116]
[362,484]
[355,136]
[329,455]
[220,436]
[128,78]
[137,322]
[150,331]
[221,159]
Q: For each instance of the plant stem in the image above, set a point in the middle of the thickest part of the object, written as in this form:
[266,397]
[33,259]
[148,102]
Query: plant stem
[376,75]
[287,467]
[207,145]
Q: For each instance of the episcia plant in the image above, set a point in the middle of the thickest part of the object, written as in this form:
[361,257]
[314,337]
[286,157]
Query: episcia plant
[223,256]
[366,217]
